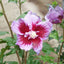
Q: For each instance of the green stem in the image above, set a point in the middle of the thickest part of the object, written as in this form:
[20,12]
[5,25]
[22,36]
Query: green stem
[20,6]
[9,27]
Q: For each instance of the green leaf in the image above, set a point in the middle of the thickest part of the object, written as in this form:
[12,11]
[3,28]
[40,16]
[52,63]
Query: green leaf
[12,62]
[1,59]
[22,15]
[10,41]
[54,35]
[47,49]
[3,33]
[58,48]
[61,41]
[15,1]
[60,37]
[3,51]
[62,24]
[23,1]
[32,57]
[46,58]
[12,51]
[62,57]
[1,13]
[54,4]
[21,53]
[2,41]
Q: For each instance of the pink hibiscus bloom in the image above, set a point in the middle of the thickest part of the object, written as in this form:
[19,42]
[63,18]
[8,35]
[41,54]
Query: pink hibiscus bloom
[31,32]
[55,15]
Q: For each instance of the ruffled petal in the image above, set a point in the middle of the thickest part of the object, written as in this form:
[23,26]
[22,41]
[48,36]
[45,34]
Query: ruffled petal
[52,15]
[24,43]
[19,27]
[50,8]
[59,10]
[37,45]
[43,29]
[31,18]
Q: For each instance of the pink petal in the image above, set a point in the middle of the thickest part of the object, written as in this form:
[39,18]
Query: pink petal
[19,27]
[37,45]
[31,18]
[43,29]
[24,43]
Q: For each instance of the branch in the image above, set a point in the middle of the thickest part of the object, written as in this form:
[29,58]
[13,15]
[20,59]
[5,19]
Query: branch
[6,19]
[60,49]
[18,57]
[20,6]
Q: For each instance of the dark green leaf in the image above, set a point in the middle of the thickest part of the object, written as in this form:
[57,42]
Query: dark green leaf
[54,35]
[2,41]
[57,49]
[3,33]
[3,50]
[62,57]
[15,1]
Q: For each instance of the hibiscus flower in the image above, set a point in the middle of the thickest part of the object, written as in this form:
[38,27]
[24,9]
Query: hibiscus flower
[55,15]
[31,32]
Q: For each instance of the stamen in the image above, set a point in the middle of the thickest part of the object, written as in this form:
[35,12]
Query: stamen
[33,34]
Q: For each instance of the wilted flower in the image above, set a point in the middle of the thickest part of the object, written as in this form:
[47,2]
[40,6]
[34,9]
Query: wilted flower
[55,15]
[31,32]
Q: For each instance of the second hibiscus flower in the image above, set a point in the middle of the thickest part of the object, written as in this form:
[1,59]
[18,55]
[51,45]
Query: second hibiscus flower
[31,32]
[55,15]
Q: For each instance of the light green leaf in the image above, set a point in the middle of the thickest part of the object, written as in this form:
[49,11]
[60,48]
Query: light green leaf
[46,58]
[23,1]
[12,62]
[12,51]
[1,13]
[22,15]
[3,33]
[15,1]
[62,24]
[54,35]
[10,41]
[54,4]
